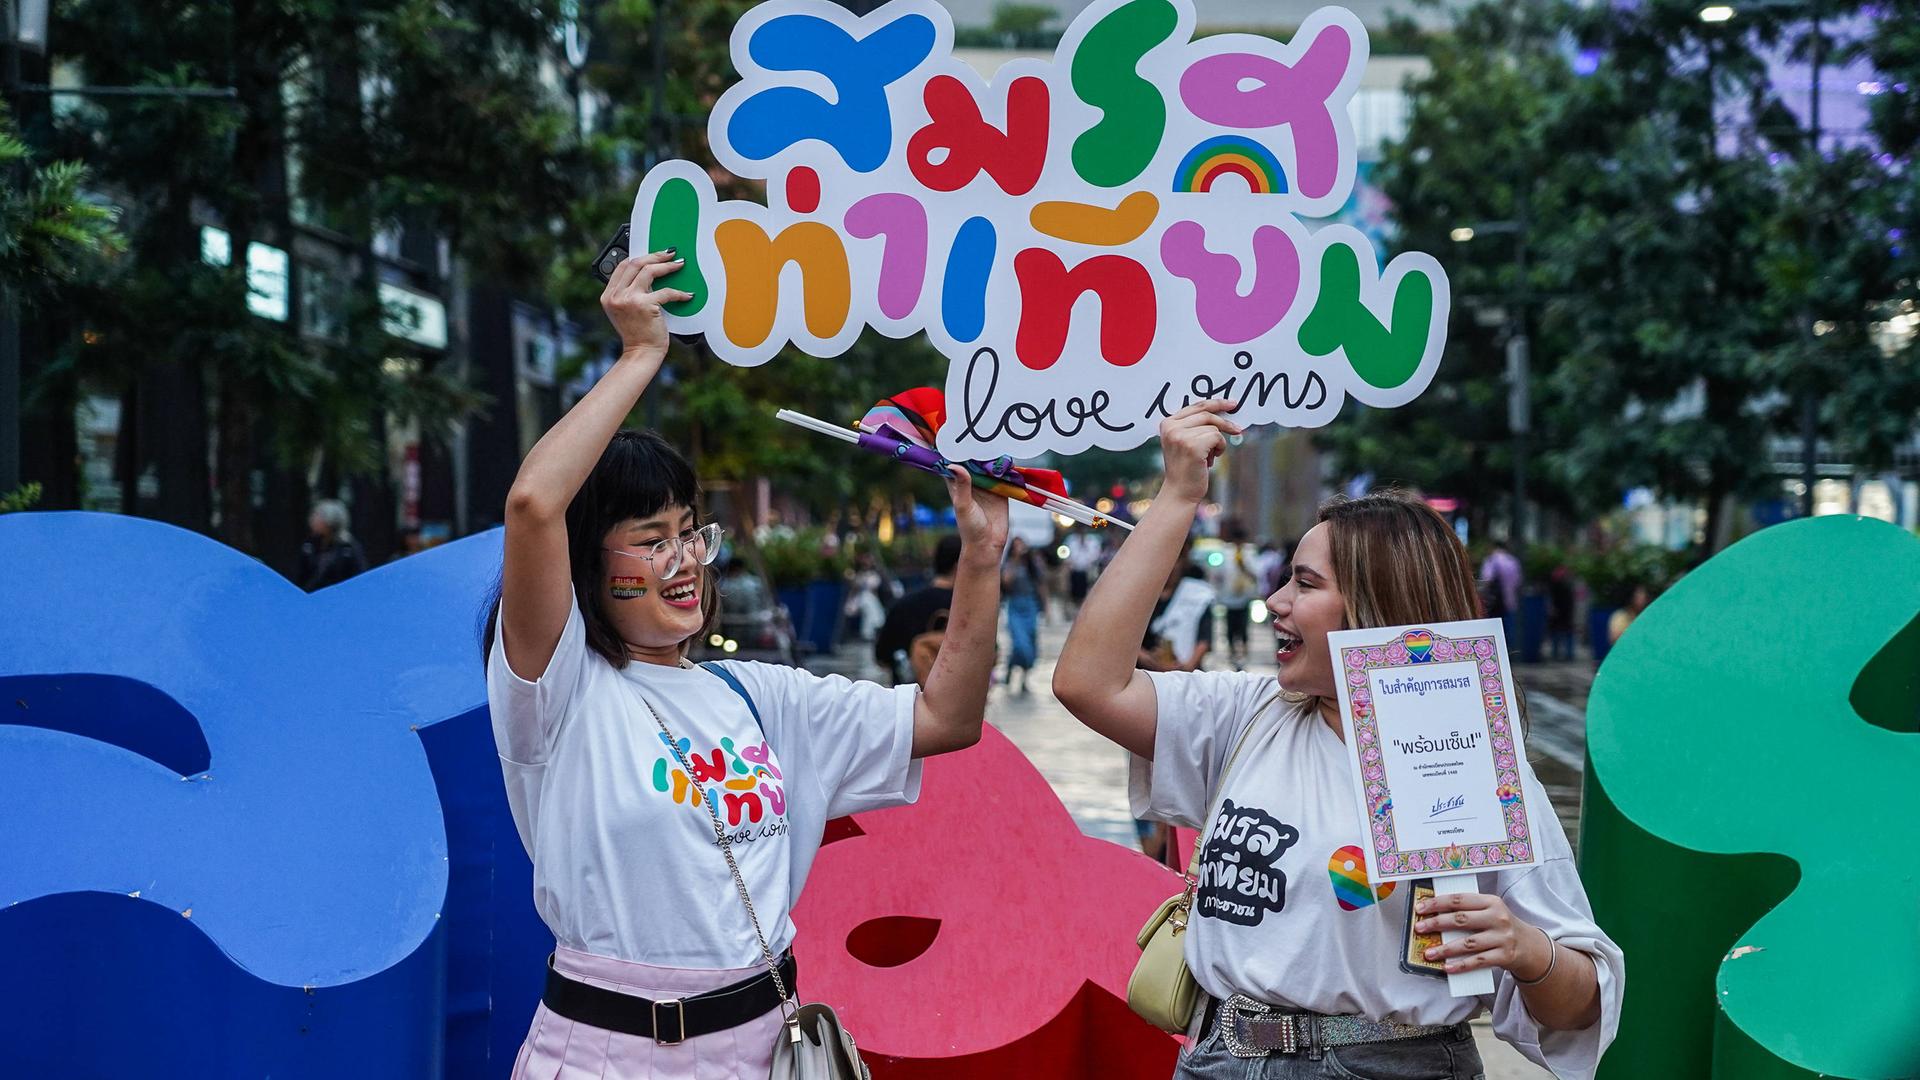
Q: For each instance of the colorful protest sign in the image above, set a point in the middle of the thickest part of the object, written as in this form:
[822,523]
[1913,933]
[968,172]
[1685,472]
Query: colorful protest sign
[1434,747]
[1093,241]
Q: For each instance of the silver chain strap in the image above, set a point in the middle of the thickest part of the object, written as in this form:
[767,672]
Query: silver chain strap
[788,1006]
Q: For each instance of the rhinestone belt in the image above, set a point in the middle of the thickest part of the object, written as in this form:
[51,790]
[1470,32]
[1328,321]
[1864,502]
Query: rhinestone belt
[1254,1029]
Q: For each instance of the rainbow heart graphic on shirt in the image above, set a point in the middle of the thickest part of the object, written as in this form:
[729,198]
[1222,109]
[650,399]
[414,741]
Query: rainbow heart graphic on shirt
[1347,868]
[1419,646]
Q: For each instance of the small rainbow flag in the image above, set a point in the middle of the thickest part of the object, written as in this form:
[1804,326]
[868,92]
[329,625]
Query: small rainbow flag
[906,427]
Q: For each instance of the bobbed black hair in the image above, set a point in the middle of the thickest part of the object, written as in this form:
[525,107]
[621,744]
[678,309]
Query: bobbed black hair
[638,475]
[946,555]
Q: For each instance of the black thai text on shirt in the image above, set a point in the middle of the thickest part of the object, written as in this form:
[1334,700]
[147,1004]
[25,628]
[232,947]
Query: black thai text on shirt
[1239,879]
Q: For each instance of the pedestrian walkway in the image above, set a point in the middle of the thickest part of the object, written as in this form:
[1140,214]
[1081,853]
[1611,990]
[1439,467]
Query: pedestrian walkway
[1086,771]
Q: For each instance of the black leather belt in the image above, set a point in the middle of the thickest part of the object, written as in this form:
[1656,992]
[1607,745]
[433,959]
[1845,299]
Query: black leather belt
[669,1020]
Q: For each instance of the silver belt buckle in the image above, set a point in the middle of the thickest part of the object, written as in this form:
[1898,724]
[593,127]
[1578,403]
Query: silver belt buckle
[1238,1007]
[679,1015]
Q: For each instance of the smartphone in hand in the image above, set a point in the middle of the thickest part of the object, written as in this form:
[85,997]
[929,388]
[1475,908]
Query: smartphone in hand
[612,255]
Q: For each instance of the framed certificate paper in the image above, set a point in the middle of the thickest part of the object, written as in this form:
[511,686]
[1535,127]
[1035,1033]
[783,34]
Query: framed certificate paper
[1435,748]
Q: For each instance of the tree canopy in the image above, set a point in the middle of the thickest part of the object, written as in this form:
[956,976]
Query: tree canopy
[1695,270]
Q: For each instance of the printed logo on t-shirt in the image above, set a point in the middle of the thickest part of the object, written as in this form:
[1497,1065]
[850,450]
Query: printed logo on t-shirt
[1347,868]
[1239,881]
[743,784]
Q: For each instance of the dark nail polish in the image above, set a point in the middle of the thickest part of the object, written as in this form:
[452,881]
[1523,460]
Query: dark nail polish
[671,250]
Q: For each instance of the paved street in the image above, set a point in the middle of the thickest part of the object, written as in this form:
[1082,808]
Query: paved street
[1090,774]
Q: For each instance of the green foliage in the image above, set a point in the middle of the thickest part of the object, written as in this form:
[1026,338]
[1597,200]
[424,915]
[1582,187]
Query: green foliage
[1094,473]
[51,235]
[1473,146]
[798,556]
[1611,573]
[1021,21]
[912,550]
[1539,561]
[1674,269]
[21,498]
[346,121]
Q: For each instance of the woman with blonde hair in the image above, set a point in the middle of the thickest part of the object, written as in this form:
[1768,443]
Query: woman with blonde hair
[1303,963]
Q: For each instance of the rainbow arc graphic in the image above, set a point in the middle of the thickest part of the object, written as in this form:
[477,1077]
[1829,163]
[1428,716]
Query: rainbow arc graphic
[1230,155]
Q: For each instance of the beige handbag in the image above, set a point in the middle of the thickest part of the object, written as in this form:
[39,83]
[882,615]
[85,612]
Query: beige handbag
[811,1045]
[1162,989]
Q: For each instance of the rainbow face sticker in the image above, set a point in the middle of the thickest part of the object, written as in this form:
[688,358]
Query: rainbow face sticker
[628,588]
[1347,869]
[1419,646]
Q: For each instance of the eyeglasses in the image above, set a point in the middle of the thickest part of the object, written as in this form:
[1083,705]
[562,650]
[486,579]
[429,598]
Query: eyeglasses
[702,543]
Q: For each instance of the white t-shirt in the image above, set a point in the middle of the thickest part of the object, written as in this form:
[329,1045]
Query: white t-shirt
[1237,578]
[1083,551]
[624,861]
[1179,622]
[1283,913]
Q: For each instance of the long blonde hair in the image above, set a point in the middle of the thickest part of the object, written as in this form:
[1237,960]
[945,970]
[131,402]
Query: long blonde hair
[1397,562]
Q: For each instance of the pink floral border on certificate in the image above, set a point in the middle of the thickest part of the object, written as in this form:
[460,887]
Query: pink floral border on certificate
[1403,653]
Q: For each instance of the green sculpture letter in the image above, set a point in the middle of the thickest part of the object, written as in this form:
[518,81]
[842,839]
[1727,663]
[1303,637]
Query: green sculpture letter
[1752,791]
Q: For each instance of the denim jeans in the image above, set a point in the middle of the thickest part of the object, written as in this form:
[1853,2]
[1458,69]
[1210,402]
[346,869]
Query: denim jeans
[1446,1056]
[1023,627]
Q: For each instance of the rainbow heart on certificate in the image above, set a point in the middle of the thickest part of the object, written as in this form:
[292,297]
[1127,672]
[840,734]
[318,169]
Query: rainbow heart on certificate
[1419,646]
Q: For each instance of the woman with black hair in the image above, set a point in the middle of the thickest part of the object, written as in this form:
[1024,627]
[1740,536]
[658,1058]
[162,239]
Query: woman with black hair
[618,754]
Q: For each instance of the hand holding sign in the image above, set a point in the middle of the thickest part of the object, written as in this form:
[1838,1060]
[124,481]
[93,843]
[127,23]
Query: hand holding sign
[635,307]
[1191,440]
[1492,935]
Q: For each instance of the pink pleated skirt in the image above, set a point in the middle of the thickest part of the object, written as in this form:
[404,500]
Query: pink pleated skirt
[560,1049]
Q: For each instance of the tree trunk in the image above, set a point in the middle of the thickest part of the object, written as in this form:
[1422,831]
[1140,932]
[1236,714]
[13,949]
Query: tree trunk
[235,444]
[283,520]
[173,395]
[258,195]
[126,448]
[49,440]
[48,445]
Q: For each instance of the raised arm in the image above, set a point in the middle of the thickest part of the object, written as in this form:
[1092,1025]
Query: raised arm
[953,704]
[536,581]
[1095,677]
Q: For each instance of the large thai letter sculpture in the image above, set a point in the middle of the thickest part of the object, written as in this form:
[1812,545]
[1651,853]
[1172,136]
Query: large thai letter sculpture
[1754,783]
[981,934]
[225,850]
[245,831]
